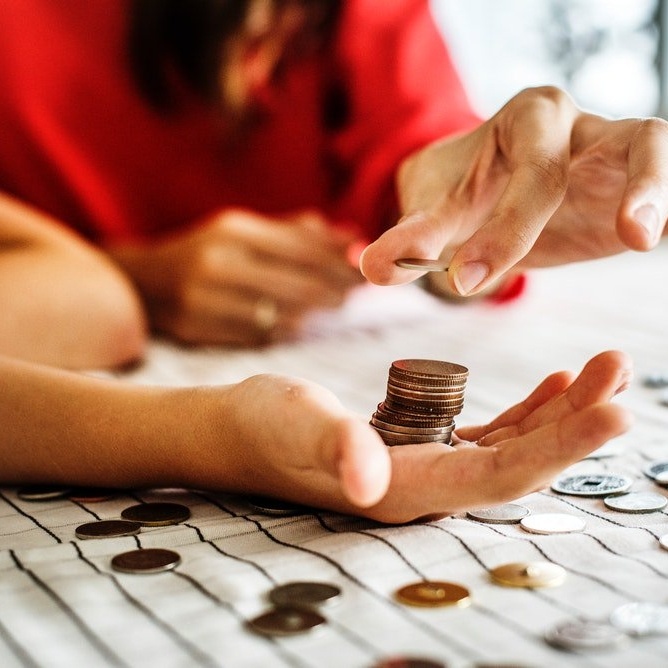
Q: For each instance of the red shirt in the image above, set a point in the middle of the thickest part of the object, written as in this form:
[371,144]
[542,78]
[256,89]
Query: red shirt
[79,142]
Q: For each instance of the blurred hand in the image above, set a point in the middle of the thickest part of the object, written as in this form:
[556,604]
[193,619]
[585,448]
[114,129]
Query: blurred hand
[541,183]
[243,279]
[294,440]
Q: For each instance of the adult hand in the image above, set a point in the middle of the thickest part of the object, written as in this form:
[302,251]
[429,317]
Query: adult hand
[539,184]
[241,278]
[295,441]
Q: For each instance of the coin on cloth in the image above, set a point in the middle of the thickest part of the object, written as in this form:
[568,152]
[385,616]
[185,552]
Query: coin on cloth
[156,514]
[92,494]
[656,471]
[548,523]
[434,594]
[508,513]
[304,594]
[286,621]
[146,561]
[529,574]
[641,618]
[592,484]
[663,541]
[585,634]
[408,662]
[636,502]
[269,506]
[107,529]
[42,492]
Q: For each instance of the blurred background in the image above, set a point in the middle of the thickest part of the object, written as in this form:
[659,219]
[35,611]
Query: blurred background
[609,54]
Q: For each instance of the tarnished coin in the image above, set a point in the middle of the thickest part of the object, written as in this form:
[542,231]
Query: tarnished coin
[270,506]
[421,265]
[592,484]
[508,513]
[636,502]
[433,594]
[147,561]
[286,621]
[92,494]
[663,541]
[300,594]
[641,618]
[42,492]
[547,523]
[408,662]
[585,634]
[107,529]
[656,471]
[156,514]
[529,574]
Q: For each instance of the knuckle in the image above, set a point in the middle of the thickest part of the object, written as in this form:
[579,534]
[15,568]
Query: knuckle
[550,170]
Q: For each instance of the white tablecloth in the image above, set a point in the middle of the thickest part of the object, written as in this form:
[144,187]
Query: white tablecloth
[62,605]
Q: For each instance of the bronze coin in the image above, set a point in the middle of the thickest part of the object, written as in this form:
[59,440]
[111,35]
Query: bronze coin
[286,621]
[147,561]
[91,494]
[107,529]
[156,514]
[529,574]
[433,594]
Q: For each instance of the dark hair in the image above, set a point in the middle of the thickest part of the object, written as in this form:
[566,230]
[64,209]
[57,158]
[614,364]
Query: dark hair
[185,38]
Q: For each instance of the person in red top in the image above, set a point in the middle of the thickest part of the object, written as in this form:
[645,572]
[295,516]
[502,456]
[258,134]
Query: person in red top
[203,168]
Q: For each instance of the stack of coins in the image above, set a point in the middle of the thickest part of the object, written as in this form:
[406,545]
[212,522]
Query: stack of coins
[423,397]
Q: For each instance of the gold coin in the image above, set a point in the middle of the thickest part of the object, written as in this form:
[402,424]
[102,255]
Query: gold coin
[433,594]
[530,574]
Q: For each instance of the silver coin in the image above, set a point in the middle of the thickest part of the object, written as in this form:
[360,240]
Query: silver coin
[270,506]
[408,662]
[656,470]
[107,529]
[661,479]
[303,594]
[641,618]
[585,634]
[663,541]
[286,621]
[592,484]
[509,513]
[156,514]
[636,502]
[421,265]
[146,561]
[43,492]
[549,523]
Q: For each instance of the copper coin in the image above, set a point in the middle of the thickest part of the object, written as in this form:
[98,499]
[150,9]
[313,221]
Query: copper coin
[303,594]
[42,492]
[286,621]
[433,594]
[91,494]
[147,561]
[426,367]
[529,574]
[107,529]
[156,514]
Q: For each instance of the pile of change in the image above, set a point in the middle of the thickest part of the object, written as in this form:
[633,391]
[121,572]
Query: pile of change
[423,397]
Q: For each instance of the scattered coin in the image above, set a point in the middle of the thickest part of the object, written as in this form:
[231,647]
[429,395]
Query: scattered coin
[662,478]
[270,506]
[146,561]
[548,523]
[107,529]
[656,381]
[408,662]
[432,594]
[529,574]
[509,513]
[156,514]
[421,265]
[641,618]
[585,634]
[636,502]
[286,621]
[663,541]
[42,492]
[592,484]
[303,594]
[92,494]
[656,471]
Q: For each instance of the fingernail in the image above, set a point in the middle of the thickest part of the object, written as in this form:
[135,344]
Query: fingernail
[648,217]
[469,276]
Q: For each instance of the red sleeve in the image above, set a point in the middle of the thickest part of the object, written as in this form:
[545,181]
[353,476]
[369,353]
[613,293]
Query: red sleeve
[403,92]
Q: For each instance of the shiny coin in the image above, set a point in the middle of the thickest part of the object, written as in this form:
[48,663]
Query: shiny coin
[509,513]
[270,506]
[584,634]
[147,561]
[432,594]
[636,502]
[156,514]
[656,470]
[547,523]
[641,619]
[42,492]
[421,368]
[421,265]
[107,529]
[286,621]
[663,541]
[408,662]
[308,594]
[529,574]
[592,484]
[92,494]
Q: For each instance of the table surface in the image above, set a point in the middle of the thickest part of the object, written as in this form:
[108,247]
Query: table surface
[61,604]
